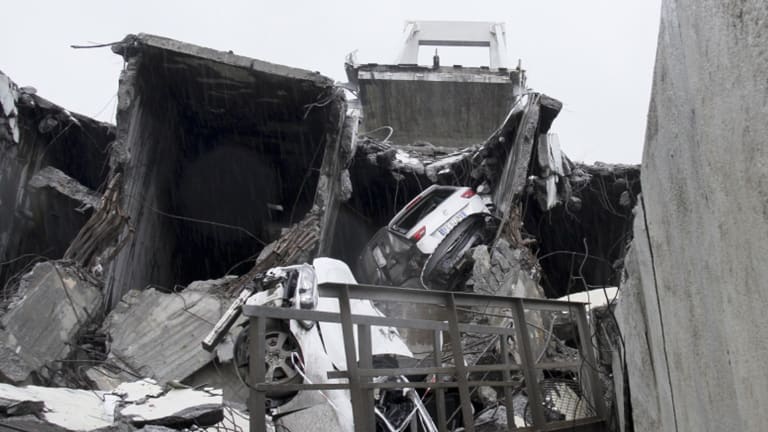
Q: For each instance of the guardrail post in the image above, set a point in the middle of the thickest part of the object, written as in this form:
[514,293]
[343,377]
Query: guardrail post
[350,350]
[439,391]
[593,388]
[507,379]
[461,368]
[524,345]
[360,374]
[366,362]
[257,402]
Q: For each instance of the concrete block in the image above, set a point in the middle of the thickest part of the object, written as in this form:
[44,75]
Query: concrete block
[158,334]
[177,409]
[51,306]
[319,417]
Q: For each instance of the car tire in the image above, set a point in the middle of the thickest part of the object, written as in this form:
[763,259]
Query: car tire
[280,343]
[443,269]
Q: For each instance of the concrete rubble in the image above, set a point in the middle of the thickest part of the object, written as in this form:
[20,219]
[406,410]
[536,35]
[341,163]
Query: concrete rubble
[138,326]
[119,255]
[129,406]
[30,345]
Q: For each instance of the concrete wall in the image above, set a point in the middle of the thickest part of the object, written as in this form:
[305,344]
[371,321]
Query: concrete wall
[449,112]
[218,153]
[705,182]
[39,222]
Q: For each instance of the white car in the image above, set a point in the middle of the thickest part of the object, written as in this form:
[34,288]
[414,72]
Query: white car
[427,235]
[305,351]
[432,214]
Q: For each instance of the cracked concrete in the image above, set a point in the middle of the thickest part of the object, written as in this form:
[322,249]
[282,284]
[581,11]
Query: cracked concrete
[704,175]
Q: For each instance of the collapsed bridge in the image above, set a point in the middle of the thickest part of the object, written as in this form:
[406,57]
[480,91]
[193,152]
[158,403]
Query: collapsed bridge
[222,166]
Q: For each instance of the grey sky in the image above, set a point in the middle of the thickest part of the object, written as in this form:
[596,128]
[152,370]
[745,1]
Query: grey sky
[594,55]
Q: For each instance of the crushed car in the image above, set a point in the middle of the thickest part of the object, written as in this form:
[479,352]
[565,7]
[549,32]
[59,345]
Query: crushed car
[425,244]
[304,351]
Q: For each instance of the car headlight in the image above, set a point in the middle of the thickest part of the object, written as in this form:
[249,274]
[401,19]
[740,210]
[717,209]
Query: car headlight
[378,256]
[306,288]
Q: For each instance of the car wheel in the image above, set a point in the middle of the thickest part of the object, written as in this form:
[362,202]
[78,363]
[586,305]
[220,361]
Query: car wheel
[445,267]
[280,345]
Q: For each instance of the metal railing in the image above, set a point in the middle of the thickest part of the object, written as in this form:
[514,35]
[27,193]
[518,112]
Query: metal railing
[360,373]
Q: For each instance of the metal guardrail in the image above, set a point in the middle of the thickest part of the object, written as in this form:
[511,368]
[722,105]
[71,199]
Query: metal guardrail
[360,373]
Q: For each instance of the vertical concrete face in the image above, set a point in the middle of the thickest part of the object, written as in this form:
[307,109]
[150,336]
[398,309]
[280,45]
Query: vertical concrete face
[446,106]
[218,153]
[705,182]
[38,136]
[638,318]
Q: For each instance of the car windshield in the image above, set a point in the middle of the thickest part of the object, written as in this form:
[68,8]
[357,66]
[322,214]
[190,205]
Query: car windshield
[424,207]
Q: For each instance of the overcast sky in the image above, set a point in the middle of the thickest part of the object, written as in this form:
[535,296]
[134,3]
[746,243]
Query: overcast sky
[594,55]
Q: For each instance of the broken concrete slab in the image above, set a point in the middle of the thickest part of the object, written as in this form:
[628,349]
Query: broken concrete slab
[178,409]
[518,155]
[141,403]
[13,408]
[138,391]
[425,104]
[642,359]
[153,428]
[44,135]
[236,420]
[220,376]
[70,409]
[158,334]
[220,153]
[52,304]
[502,270]
[103,378]
[56,179]
[320,417]
[30,423]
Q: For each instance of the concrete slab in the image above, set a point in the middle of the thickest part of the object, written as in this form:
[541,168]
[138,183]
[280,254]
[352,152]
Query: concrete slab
[177,408]
[76,410]
[220,152]
[432,105]
[158,334]
[51,306]
[319,417]
[56,179]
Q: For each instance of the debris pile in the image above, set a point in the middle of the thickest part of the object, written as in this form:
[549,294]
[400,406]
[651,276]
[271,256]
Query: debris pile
[140,405]
[50,309]
[122,247]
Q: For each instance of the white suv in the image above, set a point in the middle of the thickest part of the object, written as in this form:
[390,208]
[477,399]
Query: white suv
[427,236]
[429,217]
